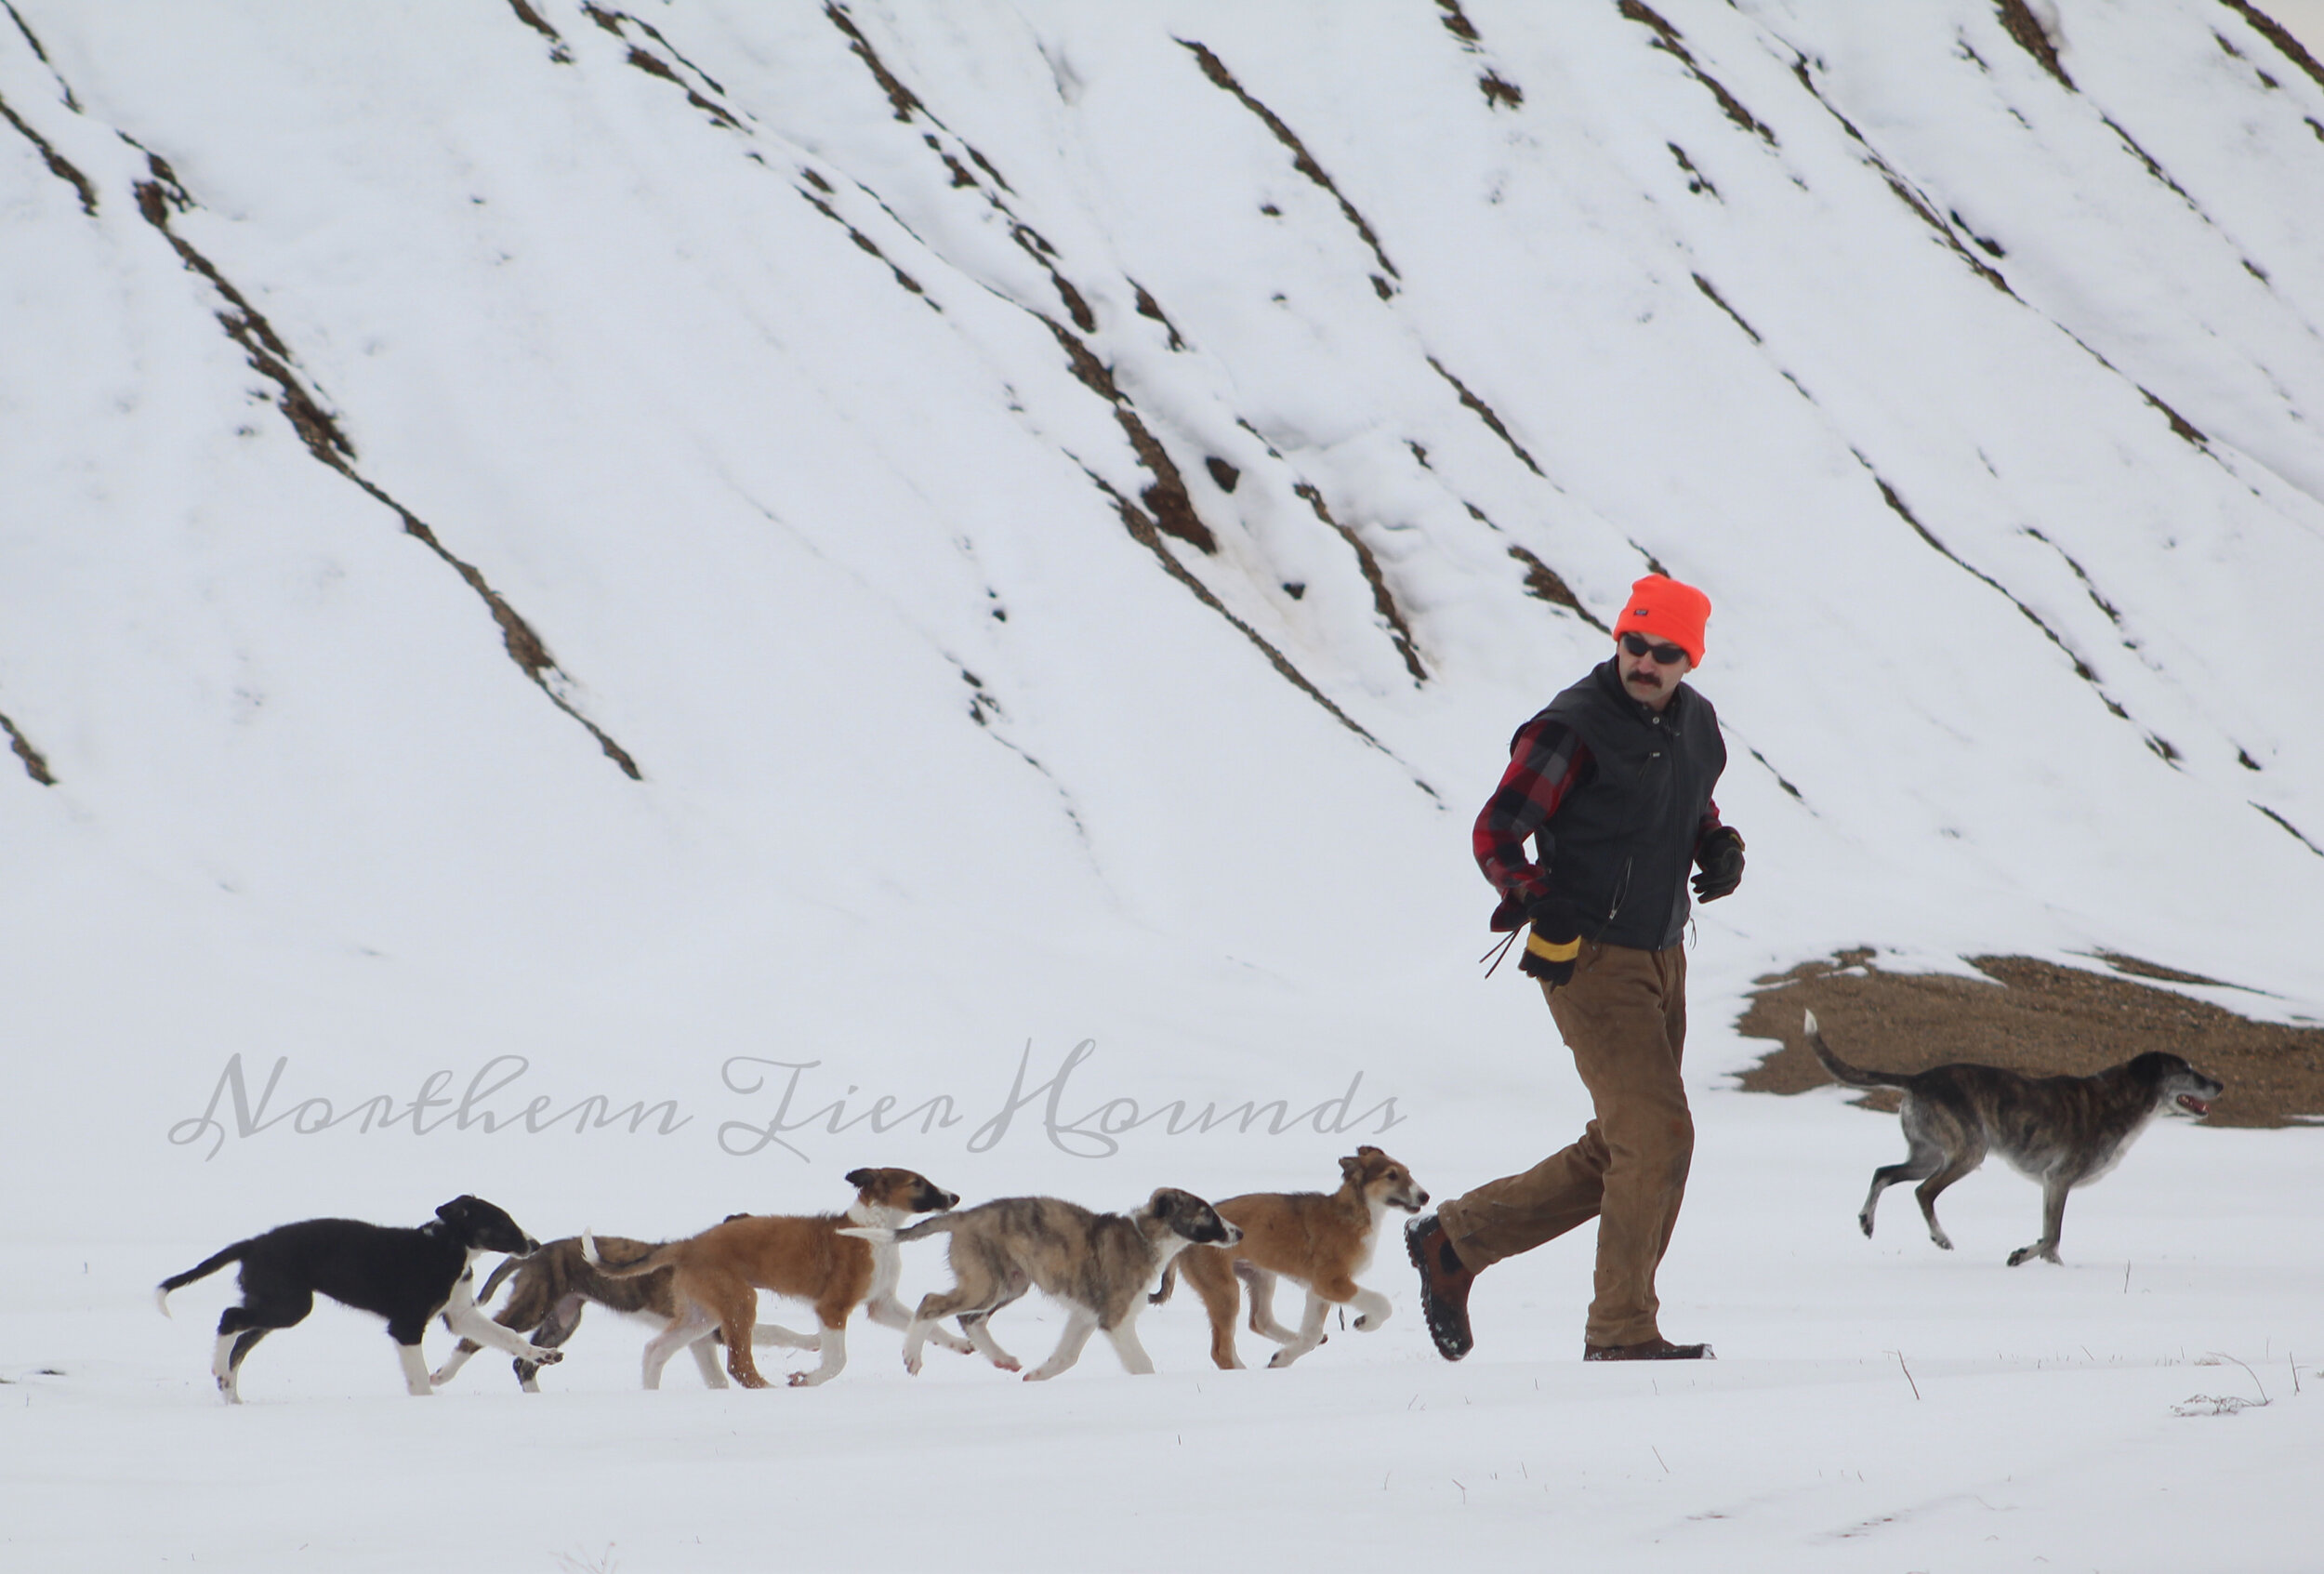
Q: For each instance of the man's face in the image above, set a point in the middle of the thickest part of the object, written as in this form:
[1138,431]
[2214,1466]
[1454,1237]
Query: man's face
[1647,678]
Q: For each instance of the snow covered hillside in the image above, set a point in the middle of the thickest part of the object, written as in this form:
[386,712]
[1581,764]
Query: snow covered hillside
[587,593]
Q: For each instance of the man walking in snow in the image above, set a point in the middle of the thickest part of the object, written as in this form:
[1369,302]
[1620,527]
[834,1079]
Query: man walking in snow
[1613,780]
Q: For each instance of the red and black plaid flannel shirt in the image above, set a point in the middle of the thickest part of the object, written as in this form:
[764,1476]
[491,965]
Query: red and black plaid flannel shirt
[1547,761]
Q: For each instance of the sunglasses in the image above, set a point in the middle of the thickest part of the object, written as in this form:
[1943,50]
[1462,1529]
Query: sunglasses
[1665,655]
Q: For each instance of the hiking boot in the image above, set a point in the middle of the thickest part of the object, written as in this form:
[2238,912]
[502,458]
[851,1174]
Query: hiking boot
[1444,1282]
[1655,1349]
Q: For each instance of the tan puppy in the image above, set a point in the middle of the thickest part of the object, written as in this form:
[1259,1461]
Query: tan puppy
[1317,1242]
[716,1276]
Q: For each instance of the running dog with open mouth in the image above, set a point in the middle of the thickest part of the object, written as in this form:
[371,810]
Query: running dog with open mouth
[1318,1242]
[2063,1131]
[1098,1265]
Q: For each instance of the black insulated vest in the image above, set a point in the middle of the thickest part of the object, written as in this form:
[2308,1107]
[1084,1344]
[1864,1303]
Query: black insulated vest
[1621,845]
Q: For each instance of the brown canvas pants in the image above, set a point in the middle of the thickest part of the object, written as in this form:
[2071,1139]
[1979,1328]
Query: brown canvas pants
[1624,1017]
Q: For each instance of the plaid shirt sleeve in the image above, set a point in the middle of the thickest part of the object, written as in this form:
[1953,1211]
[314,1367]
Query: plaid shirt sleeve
[1546,759]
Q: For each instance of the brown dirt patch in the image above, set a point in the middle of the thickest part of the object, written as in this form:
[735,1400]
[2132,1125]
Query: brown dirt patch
[2035,1017]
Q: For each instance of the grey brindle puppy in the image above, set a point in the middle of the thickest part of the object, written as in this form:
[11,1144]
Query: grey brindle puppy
[1098,1265]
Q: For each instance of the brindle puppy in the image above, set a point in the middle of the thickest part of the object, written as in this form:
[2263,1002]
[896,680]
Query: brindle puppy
[556,1283]
[1098,1265]
[2063,1131]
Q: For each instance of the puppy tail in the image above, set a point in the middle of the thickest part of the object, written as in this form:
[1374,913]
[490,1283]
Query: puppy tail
[207,1267]
[1169,1282]
[492,1284]
[1855,1076]
[941,1224]
[637,1267]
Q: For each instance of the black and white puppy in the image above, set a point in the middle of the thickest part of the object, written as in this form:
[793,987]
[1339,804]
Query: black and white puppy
[405,1276]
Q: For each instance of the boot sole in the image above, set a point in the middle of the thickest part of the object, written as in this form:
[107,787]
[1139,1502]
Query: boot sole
[1468,1342]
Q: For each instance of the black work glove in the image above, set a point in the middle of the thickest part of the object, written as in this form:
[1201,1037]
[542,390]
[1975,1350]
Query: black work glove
[1721,857]
[1554,943]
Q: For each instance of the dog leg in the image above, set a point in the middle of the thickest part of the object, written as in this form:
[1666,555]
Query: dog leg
[2054,1190]
[458,1358]
[689,1325]
[1882,1179]
[975,1326]
[1310,1335]
[1262,1305]
[222,1367]
[1221,1294]
[243,1343]
[773,1334]
[706,1354]
[460,1313]
[510,1317]
[1931,1189]
[275,1305]
[1922,1161]
[1371,1309]
[562,1321]
[889,1312]
[834,1359]
[1135,1360]
[735,1311]
[528,1312]
[971,1306]
[415,1378]
[1078,1327]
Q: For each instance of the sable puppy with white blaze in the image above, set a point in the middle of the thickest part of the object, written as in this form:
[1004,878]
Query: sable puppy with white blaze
[1318,1242]
[2063,1131]
[1098,1265]
[716,1275]
[405,1276]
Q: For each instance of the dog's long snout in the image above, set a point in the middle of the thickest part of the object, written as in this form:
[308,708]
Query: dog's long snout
[1229,1233]
[530,1246]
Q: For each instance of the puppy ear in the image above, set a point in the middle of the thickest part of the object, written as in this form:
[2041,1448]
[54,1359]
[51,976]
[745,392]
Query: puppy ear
[1351,1163]
[1367,1151]
[456,1209]
[859,1179]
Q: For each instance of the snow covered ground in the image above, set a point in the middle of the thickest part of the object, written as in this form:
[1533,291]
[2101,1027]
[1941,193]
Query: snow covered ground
[1877,1405]
[557,561]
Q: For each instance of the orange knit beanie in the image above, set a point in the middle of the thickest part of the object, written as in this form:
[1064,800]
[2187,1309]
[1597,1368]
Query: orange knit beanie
[1664,609]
